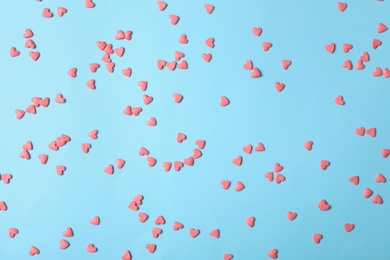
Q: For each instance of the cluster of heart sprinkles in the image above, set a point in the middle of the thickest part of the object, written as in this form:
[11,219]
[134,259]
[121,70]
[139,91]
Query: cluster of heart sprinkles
[178,61]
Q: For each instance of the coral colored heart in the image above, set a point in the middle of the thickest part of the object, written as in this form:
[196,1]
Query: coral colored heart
[250,221]
[207,57]
[109,169]
[183,65]
[367,193]
[143,85]
[110,67]
[248,65]
[381,28]
[257,31]
[119,35]
[194,232]
[180,137]
[119,51]
[68,232]
[46,13]
[142,217]
[239,186]
[359,65]
[167,166]
[3,206]
[273,253]
[317,238]
[25,154]
[14,52]
[177,226]
[35,55]
[349,227]
[278,167]
[247,149]
[200,143]
[330,47]
[28,145]
[133,206]
[224,101]
[376,43]
[341,6]
[151,248]
[354,180]
[89,4]
[44,102]
[225,184]
[161,5]
[72,72]
[183,39]
[30,44]
[210,42]
[259,147]
[151,122]
[360,131]
[91,248]
[339,100]
[255,73]
[126,255]
[101,45]
[196,153]
[286,64]
[269,176]
[6,177]
[120,163]
[28,34]
[266,46]
[138,199]
[323,205]
[279,178]
[43,158]
[178,55]
[147,99]
[91,84]
[377,199]
[61,11]
[171,65]
[279,86]
[227,257]
[59,98]
[151,161]
[85,147]
[95,220]
[386,73]
[177,98]
[177,165]
[378,72]
[12,232]
[33,251]
[324,164]
[189,161]
[371,131]
[215,233]
[143,151]
[31,109]
[308,145]
[156,232]
[93,134]
[64,244]
[237,161]
[379,178]
[93,67]
[347,47]
[209,8]
[291,215]
[174,19]
[347,64]
[365,57]
[60,169]
[161,64]
[385,152]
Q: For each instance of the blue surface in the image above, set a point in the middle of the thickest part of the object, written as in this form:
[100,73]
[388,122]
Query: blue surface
[42,204]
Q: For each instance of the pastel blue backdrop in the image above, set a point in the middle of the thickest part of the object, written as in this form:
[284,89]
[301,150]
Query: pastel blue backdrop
[42,204]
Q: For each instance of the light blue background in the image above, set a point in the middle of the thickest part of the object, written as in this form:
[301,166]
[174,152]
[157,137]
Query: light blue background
[41,204]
